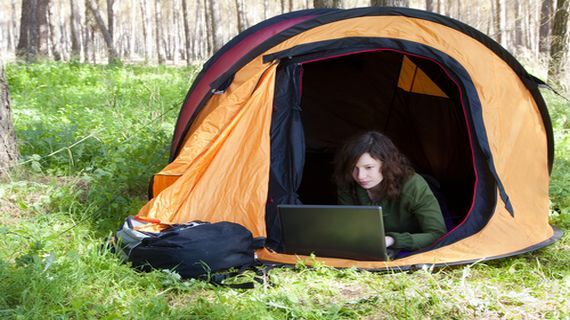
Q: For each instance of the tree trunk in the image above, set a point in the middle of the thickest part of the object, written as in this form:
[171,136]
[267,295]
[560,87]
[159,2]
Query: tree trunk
[158,26]
[327,3]
[13,26]
[113,56]
[176,39]
[216,20]
[55,50]
[75,24]
[87,34]
[111,20]
[559,43]
[388,3]
[459,10]
[8,148]
[441,7]
[43,38]
[430,6]
[241,18]
[63,34]
[209,36]
[27,43]
[147,28]
[499,22]
[200,46]
[518,25]
[545,25]
[187,36]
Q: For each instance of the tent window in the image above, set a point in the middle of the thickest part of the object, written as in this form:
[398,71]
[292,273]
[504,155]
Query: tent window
[407,98]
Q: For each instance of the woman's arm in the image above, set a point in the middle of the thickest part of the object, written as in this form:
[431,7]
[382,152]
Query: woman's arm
[422,206]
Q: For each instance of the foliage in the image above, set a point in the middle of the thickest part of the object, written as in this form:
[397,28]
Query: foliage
[559,187]
[57,211]
[107,126]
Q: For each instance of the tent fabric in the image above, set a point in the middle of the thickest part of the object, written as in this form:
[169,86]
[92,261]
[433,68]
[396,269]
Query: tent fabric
[241,153]
[226,57]
[414,79]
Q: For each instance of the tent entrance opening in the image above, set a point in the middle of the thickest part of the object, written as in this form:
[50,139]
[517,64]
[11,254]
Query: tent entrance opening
[409,99]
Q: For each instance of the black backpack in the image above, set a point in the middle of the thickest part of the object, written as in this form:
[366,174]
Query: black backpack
[193,250]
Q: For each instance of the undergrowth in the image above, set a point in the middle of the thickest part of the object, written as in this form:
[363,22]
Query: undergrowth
[91,136]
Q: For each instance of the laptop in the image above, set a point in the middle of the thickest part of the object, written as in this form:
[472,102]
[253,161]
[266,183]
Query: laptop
[353,232]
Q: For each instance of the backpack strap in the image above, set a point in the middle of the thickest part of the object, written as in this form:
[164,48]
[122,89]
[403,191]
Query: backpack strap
[261,276]
[258,243]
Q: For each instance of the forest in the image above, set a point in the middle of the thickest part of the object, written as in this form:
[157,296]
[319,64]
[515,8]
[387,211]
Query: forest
[188,32]
[90,92]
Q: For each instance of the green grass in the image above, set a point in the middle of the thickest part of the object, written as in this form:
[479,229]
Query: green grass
[57,211]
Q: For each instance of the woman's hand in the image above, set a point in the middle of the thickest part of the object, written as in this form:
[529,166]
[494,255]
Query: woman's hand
[389,241]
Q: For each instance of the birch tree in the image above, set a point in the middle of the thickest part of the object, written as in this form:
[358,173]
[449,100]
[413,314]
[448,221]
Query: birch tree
[215,26]
[158,32]
[8,148]
[327,3]
[52,29]
[42,14]
[112,54]
[441,7]
[545,25]
[389,3]
[187,35]
[241,19]
[518,38]
[559,42]
[430,5]
[500,17]
[147,30]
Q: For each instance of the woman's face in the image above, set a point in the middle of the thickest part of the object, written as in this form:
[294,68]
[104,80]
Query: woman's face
[367,172]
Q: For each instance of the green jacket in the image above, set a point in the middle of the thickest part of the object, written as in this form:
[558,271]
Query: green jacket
[414,219]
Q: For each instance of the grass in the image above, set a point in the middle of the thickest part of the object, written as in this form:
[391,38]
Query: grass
[57,211]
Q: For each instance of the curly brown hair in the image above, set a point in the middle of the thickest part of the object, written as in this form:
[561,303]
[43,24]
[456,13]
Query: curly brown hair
[395,166]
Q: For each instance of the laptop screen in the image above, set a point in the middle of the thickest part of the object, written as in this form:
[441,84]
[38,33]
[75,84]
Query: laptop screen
[353,232]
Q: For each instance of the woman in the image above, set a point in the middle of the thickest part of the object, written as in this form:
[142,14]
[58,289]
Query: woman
[369,170]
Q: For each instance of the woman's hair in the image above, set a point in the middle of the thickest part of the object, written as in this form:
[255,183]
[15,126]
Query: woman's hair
[395,166]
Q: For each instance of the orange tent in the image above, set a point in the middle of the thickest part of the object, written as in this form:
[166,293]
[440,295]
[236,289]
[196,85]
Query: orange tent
[262,120]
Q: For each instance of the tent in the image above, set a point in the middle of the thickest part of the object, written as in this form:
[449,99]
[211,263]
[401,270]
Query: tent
[262,121]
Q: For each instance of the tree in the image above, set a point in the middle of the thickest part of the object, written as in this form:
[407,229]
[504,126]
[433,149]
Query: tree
[500,17]
[8,149]
[430,6]
[42,19]
[175,38]
[28,42]
[215,24]
[200,46]
[12,29]
[559,44]
[146,28]
[327,3]
[187,36]
[545,25]
[158,29]
[441,7]
[389,3]
[209,36]
[57,54]
[241,19]
[112,54]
